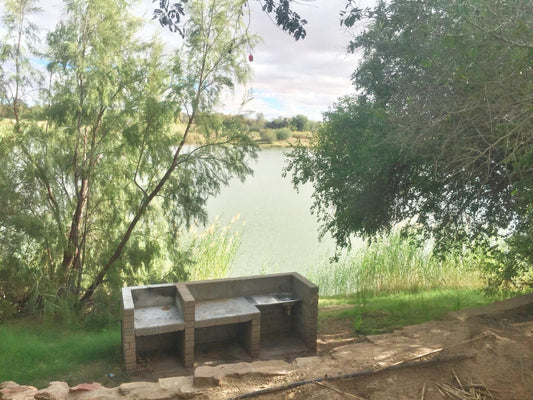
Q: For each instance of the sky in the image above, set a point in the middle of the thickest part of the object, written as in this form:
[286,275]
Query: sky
[306,76]
[289,77]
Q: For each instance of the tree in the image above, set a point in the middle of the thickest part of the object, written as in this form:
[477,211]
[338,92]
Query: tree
[19,44]
[300,123]
[441,133]
[98,185]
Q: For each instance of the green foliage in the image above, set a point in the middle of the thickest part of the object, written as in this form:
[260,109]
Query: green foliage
[278,123]
[440,136]
[350,163]
[268,135]
[213,251]
[283,133]
[97,186]
[395,263]
[170,15]
[300,123]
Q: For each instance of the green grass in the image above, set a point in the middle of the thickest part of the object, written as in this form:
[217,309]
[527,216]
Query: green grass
[387,312]
[35,353]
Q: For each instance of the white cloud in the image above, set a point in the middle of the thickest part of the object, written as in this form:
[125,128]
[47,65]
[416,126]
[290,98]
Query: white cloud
[306,76]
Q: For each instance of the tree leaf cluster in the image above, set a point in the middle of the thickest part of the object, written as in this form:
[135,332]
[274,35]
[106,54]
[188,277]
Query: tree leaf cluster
[440,135]
[97,181]
[170,15]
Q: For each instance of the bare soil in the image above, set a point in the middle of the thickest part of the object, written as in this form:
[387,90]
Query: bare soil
[485,354]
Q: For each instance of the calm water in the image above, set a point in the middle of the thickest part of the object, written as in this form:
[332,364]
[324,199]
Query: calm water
[278,231]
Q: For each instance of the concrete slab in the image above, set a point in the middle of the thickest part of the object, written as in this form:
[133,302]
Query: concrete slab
[271,299]
[224,311]
[154,320]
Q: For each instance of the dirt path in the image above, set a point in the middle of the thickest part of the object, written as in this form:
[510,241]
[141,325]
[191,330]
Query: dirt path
[488,351]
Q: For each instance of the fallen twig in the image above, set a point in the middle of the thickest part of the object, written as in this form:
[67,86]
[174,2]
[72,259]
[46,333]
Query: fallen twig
[423,392]
[406,364]
[341,392]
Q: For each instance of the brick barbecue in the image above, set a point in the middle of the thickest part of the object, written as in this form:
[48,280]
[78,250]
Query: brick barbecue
[176,317]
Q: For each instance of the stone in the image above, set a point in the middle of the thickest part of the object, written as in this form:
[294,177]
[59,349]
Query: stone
[185,384]
[148,391]
[207,375]
[10,390]
[86,387]
[99,394]
[308,362]
[55,391]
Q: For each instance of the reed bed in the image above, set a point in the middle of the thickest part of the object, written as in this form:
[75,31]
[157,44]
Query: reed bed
[393,264]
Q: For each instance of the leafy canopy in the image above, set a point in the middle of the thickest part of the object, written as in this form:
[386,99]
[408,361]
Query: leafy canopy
[97,182]
[440,136]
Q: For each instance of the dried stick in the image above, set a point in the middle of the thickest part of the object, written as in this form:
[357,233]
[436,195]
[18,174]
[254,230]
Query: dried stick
[423,392]
[341,392]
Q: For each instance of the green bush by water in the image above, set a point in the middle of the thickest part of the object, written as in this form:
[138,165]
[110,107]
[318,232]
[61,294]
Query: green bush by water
[394,264]
[283,133]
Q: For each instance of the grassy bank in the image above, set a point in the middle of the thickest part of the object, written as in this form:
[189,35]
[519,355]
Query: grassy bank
[378,288]
[36,353]
[384,313]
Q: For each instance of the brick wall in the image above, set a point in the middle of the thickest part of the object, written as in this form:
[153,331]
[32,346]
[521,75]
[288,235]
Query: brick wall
[165,342]
[216,333]
[275,320]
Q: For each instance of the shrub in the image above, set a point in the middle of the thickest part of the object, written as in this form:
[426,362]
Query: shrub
[268,135]
[283,133]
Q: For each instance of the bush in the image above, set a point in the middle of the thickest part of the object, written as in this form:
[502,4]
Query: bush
[283,133]
[268,135]
[7,310]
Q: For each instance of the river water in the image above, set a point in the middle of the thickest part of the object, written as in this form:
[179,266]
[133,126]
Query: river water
[278,232]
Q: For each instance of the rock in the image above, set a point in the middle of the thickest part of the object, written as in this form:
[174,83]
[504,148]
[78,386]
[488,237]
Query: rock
[129,387]
[185,384]
[86,387]
[307,362]
[148,391]
[98,394]
[55,391]
[10,390]
[206,375]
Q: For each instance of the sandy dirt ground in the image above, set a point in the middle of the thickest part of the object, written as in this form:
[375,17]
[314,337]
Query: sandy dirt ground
[476,354]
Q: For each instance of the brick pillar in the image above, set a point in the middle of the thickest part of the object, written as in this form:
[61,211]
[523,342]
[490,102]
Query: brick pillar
[252,336]
[306,311]
[185,302]
[129,349]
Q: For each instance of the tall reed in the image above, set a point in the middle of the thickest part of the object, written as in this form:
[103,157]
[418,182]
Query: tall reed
[213,250]
[393,264]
